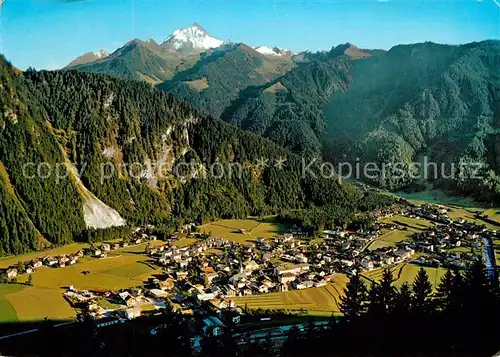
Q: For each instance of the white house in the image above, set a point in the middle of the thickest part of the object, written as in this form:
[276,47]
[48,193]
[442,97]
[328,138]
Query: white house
[293,269]
[11,273]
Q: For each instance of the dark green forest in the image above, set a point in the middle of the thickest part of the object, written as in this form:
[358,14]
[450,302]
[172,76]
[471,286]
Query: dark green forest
[420,100]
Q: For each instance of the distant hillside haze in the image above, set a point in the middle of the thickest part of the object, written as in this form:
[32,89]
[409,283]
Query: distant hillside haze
[88,57]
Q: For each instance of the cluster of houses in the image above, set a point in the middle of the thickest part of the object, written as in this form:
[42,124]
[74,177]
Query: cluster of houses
[216,269]
[434,213]
[64,260]
[448,243]
[440,242]
[431,212]
[203,279]
[386,256]
[60,261]
[126,304]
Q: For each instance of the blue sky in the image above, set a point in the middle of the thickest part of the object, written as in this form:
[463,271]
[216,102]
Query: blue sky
[50,33]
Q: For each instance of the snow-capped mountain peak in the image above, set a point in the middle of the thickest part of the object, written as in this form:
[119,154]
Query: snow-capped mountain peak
[192,37]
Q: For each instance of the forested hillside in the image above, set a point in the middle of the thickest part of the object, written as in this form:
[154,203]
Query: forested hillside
[421,100]
[166,160]
[30,207]
[289,110]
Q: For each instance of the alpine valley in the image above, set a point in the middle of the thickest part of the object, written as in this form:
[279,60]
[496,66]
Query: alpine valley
[194,101]
[190,195]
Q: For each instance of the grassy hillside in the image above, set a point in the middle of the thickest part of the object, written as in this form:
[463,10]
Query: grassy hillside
[140,60]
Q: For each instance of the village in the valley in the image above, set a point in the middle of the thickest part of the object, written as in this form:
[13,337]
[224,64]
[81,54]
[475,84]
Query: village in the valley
[205,279]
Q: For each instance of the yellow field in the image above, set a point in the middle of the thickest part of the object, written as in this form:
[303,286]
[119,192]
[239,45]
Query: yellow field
[7,311]
[406,272]
[317,301]
[139,248]
[123,268]
[230,229]
[468,214]
[414,223]
[67,249]
[112,273]
[409,272]
[183,242]
[34,304]
[462,213]
[391,238]
[493,214]
[131,270]
[376,274]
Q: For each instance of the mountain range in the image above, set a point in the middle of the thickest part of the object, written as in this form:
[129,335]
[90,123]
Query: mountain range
[345,104]
[156,62]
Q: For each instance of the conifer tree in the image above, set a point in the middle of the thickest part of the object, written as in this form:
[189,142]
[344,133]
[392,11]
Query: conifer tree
[445,287]
[445,290]
[353,302]
[422,289]
[386,291]
[403,299]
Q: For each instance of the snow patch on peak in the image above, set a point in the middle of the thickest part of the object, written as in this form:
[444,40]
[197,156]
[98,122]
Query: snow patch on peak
[194,36]
[101,54]
[273,51]
[267,51]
